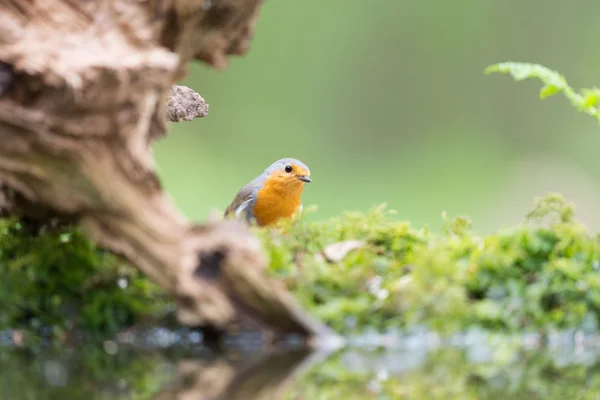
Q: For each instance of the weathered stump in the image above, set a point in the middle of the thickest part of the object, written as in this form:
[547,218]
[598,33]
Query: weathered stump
[85,86]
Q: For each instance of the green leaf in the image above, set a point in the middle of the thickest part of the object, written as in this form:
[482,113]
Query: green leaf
[553,82]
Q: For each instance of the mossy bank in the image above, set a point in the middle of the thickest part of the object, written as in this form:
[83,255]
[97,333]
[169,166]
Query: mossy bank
[355,272]
[541,274]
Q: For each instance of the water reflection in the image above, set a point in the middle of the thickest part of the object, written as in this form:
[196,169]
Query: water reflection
[265,377]
[471,369]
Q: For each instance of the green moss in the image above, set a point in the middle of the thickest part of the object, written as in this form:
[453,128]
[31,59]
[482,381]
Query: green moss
[58,281]
[538,275]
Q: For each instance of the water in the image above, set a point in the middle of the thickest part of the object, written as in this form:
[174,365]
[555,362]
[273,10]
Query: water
[166,365]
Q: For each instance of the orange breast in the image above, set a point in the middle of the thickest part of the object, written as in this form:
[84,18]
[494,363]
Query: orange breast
[275,201]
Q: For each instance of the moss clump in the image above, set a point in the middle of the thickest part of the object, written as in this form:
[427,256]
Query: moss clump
[57,281]
[541,274]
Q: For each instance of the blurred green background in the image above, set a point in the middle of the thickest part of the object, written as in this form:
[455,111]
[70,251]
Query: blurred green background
[386,101]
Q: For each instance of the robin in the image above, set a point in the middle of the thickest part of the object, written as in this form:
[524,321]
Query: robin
[272,195]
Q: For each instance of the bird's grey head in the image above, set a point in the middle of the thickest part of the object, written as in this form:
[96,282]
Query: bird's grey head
[290,166]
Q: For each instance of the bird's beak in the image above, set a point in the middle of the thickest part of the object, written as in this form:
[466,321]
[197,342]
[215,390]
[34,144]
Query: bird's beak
[304,178]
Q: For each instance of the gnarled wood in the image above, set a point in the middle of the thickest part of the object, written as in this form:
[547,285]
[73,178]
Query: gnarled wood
[83,89]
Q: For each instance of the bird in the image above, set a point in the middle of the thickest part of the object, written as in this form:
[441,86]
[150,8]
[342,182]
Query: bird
[272,195]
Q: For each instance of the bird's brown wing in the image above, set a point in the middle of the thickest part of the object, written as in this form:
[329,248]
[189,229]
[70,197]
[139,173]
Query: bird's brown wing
[246,197]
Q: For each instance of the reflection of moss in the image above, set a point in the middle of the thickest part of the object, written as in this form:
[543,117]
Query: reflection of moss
[449,374]
[542,273]
[89,373]
[58,280]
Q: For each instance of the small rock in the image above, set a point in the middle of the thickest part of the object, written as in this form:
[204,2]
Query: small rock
[337,251]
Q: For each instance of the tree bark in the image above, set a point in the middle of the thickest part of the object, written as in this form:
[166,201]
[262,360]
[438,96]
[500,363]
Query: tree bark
[85,86]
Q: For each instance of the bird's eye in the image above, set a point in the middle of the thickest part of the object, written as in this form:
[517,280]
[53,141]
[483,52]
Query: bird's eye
[288,168]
